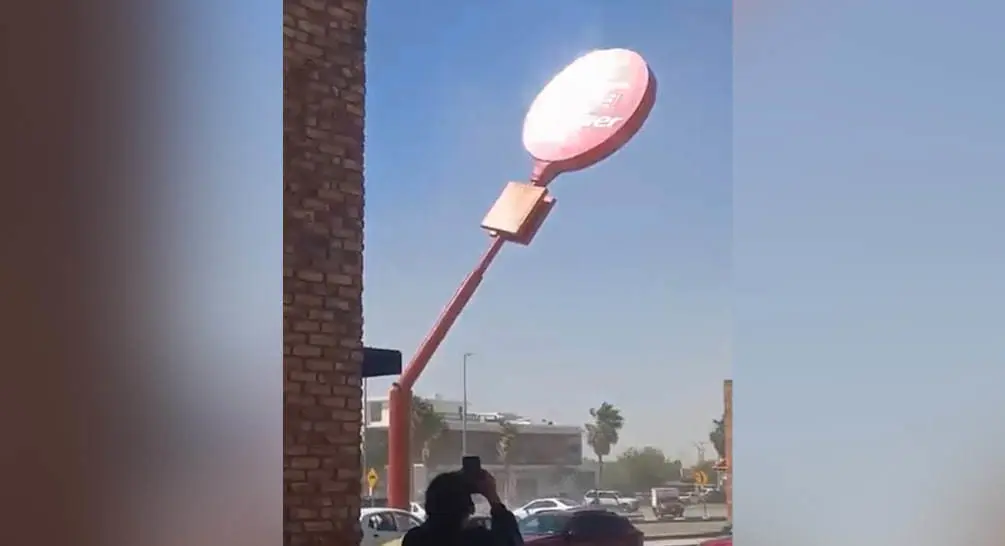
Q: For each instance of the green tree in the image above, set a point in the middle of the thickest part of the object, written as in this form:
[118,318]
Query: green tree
[603,433]
[647,467]
[427,427]
[718,436]
[375,447]
[508,434]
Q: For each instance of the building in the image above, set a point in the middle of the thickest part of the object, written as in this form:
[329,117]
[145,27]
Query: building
[323,88]
[546,458]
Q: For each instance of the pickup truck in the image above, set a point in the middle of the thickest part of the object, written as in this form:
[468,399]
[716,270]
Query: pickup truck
[611,500]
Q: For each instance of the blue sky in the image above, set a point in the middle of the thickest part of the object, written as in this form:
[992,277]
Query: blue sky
[624,295]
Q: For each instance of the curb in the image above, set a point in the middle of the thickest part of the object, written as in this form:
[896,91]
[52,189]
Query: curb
[716,519]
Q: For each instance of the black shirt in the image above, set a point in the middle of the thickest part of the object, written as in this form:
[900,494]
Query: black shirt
[504,532]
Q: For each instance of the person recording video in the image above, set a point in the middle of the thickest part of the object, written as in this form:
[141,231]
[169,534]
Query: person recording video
[449,505]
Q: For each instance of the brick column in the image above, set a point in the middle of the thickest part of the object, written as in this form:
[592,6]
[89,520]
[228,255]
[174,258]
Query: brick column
[323,87]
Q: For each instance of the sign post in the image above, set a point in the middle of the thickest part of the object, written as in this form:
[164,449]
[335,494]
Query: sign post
[371,482]
[701,480]
[583,115]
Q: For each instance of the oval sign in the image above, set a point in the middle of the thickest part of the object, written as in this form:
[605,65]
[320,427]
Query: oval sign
[588,111]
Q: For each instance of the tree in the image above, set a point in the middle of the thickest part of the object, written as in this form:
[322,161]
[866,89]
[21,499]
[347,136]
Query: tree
[375,446]
[648,467]
[718,436]
[508,434]
[427,427]
[603,433]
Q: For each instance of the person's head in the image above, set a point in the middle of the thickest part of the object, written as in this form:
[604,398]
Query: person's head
[448,499]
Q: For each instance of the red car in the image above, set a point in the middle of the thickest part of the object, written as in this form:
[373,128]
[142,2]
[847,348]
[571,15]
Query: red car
[581,527]
[722,541]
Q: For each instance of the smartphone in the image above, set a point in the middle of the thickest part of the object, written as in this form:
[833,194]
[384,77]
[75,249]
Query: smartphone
[471,467]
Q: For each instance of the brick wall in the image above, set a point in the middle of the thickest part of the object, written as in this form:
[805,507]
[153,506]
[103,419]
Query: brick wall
[323,45]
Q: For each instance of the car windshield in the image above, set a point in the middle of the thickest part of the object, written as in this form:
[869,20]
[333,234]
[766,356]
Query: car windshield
[568,502]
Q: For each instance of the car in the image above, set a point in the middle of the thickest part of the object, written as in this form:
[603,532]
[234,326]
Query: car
[667,502]
[540,505]
[417,510]
[580,526]
[725,540]
[373,502]
[379,526]
[479,520]
[610,500]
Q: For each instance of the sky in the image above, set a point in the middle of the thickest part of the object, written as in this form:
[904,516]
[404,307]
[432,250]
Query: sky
[624,295]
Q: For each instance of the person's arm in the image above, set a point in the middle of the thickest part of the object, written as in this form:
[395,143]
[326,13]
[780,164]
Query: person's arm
[504,525]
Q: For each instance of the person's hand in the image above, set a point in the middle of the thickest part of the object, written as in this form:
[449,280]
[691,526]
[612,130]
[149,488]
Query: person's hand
[486,486]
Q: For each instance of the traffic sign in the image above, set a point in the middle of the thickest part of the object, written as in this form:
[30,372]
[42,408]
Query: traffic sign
[371,479]
[588,111]
[721,464]
[700,477]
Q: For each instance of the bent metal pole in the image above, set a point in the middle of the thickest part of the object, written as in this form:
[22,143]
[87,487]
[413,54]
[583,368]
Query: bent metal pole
[587,112]
[400,397]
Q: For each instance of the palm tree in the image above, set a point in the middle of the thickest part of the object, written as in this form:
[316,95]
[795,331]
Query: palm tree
[427,427]
[508,433]
[602,433]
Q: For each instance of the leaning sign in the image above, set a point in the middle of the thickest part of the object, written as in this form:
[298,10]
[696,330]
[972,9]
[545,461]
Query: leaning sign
[588,111]
[583,115]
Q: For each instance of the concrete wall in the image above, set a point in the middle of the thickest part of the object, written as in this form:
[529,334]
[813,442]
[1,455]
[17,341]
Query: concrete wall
[323,88]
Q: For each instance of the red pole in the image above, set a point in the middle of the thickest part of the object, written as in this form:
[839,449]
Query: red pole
[727,388]
[400,397]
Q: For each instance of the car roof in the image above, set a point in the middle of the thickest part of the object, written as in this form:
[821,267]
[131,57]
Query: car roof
[582,510]
[363,512]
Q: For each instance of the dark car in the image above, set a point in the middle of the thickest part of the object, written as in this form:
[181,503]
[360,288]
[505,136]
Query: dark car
[581,526]
[480,521]
[373,502]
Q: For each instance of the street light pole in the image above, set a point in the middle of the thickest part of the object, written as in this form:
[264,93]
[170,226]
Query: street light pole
[464,404]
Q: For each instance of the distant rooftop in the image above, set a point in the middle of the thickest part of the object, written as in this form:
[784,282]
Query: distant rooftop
[446,407]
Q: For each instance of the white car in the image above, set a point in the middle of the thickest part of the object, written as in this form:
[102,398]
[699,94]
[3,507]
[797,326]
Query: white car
[538,505]
[382,525]
[610,500]
[417,510]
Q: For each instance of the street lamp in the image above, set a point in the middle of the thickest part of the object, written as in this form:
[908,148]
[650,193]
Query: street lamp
[586,113]
[464,404]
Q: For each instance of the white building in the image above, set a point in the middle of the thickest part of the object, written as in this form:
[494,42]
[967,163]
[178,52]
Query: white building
[546,459]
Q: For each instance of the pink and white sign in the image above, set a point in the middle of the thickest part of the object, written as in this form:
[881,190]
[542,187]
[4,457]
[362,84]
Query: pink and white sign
[588,111]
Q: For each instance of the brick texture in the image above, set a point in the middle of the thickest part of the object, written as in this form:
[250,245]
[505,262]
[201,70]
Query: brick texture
[323,88]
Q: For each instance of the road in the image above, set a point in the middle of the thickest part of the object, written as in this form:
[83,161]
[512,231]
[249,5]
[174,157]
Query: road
[672,528]
[693,511]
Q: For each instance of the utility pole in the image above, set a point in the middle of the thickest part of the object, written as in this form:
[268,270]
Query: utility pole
[464,404]
[700,448]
